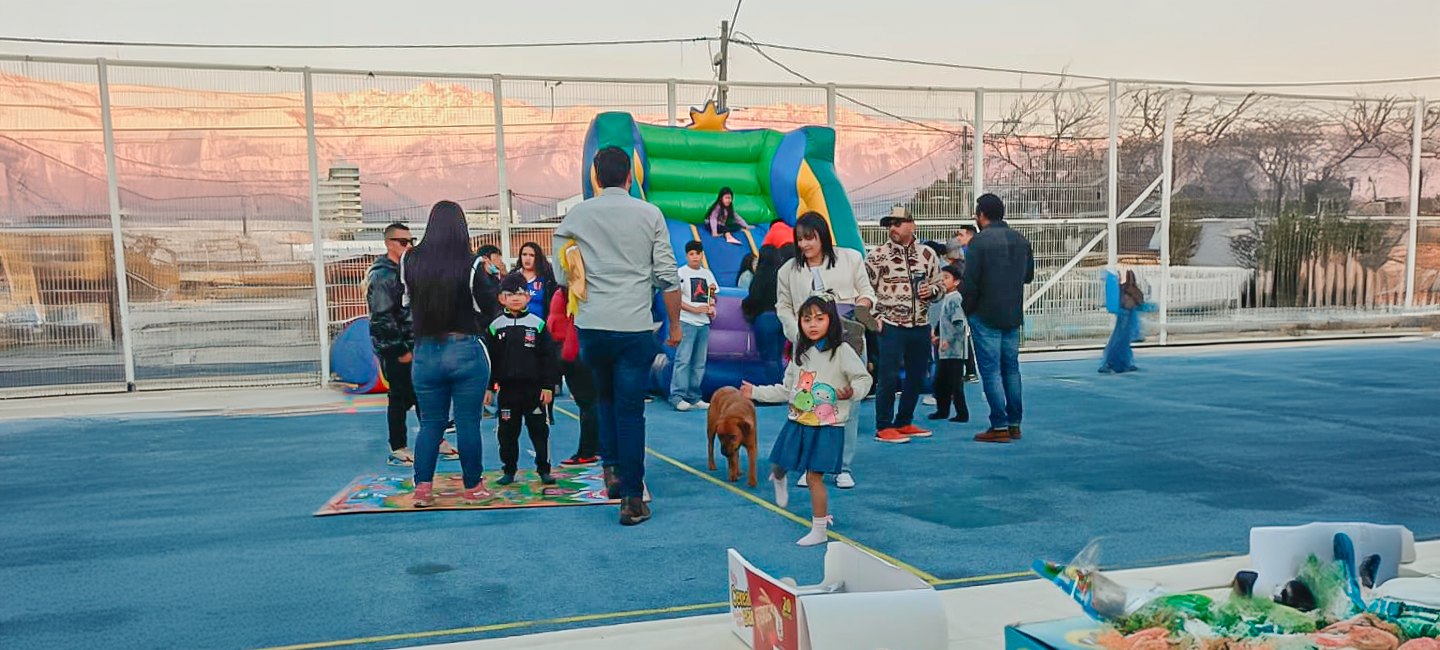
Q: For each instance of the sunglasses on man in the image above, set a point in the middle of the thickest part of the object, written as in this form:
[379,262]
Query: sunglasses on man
[404,241]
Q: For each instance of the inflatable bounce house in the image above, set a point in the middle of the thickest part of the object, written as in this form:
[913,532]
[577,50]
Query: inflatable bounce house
[353,364]
[775,177]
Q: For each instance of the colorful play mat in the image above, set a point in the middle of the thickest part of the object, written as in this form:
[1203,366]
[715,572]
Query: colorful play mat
[392,492]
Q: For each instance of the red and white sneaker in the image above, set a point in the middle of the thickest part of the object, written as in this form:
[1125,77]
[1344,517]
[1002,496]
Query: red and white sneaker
[914,431]
[892,436]
[424,496]
[476,494]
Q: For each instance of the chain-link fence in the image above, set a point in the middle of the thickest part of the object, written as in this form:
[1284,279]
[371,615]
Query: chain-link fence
[1242,214]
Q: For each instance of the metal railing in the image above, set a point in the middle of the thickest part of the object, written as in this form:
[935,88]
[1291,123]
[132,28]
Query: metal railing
[207,187]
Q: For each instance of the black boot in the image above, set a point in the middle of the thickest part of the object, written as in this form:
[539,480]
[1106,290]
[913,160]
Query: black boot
[634,510]
[612,483]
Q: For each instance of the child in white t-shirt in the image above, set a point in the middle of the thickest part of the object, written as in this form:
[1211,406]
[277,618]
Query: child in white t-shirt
[697,306]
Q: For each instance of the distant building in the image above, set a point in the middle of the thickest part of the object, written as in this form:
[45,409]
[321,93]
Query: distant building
[488,217]
[563,207]
[340,195]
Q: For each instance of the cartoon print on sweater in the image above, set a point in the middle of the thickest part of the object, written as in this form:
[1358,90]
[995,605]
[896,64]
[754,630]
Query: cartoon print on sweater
[813,403]
[825,400]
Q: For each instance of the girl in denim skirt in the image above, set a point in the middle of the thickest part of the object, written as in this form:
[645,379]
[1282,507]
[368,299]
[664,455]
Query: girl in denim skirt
[824,373]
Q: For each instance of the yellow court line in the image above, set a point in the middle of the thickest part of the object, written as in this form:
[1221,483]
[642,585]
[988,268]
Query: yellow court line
[572,415]
[989,578]
[791,516]
[499,627]
[927,577]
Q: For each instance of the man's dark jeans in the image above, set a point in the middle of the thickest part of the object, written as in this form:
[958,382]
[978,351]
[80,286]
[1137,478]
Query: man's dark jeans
[402,399]
[907,347]
[621,364]
[997,352]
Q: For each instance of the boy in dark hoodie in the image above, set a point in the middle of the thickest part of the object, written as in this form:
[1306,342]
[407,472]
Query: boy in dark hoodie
[393,338]
[524,371]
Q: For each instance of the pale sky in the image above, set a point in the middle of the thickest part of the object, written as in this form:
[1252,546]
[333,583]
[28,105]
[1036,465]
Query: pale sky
[1193,40]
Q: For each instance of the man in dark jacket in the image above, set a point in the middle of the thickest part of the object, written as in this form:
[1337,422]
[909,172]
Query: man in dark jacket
[393,338]
[998,264]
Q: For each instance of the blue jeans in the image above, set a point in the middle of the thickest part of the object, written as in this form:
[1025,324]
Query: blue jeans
[997,354]
[621,364]
[852,435]
[901,346]
[1118,356]
[450,370]
[689,363]
[770,344]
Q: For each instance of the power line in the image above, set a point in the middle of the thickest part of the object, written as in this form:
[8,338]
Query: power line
[710,39]
[736,14]
[756,47]
[396,46]
[1167,82]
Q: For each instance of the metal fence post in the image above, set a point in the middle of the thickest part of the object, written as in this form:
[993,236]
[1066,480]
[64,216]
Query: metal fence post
[670,103]
[117,236]
[977,180]
[1410,242]
[1166,186]
[830,105]
[1112,248]
[317,234]
[502,174]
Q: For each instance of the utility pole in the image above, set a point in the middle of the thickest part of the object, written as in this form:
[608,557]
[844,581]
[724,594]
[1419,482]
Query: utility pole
[724,63]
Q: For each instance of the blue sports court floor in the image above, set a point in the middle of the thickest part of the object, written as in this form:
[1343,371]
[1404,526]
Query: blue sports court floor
[169,532]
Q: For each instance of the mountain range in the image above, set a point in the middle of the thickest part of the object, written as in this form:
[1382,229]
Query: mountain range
[203,153]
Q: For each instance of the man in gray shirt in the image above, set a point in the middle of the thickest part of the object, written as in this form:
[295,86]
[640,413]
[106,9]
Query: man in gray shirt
[626,251]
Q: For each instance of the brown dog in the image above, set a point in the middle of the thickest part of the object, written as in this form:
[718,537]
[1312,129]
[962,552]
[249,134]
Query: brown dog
[732,418]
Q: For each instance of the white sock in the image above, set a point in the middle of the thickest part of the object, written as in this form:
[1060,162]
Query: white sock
[816,536]
[782,491]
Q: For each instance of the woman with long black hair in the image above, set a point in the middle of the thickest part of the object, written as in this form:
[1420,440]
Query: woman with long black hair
[539,278]
[449,304]
[759,309]
[819,267]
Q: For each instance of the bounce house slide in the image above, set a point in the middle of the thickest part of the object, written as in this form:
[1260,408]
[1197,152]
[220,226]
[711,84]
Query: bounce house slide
[775,177]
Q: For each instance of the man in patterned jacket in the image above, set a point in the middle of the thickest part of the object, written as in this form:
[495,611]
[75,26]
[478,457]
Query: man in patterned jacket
[906,277]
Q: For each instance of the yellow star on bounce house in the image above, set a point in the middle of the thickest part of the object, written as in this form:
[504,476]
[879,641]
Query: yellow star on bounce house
[710,119]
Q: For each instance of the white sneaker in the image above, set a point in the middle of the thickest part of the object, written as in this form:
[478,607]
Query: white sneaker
[701,405]
[782,493]
[804,480]
[683,406]
[844,480]
[816,536]
[446,451]
[928,400]
[401,458]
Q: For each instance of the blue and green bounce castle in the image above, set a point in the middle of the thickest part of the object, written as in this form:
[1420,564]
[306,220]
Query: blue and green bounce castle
[775,176]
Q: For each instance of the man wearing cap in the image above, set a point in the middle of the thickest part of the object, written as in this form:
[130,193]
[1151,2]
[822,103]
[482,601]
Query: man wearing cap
[999,263]
[906,278]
